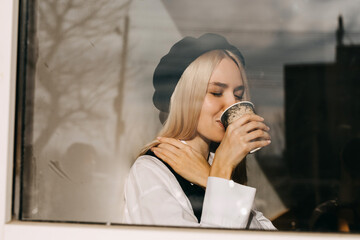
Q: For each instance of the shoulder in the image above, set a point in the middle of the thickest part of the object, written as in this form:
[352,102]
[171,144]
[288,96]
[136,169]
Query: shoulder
[149,175]
[148,172]
[147,164]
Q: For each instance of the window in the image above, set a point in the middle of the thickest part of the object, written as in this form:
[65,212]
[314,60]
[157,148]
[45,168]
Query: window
[74,93]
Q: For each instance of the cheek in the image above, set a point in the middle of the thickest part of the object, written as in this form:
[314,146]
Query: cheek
[210,106]
[206,114]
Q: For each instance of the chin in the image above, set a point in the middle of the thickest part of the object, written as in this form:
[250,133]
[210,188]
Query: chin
[217,138]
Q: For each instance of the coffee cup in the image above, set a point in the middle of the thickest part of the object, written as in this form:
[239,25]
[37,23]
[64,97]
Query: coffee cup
[235,111]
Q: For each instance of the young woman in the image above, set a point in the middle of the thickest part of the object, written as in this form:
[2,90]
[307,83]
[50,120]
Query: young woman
[194,173]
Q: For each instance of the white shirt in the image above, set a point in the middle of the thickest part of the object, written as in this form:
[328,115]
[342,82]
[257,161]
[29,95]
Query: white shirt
[153,196]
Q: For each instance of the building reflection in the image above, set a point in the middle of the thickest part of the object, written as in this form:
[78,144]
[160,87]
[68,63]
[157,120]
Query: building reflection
[322,115]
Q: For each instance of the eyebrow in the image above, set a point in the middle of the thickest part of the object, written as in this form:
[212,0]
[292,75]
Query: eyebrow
[223,85]
[219,84]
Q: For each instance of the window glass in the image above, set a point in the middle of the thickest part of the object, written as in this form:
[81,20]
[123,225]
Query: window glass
[88,103]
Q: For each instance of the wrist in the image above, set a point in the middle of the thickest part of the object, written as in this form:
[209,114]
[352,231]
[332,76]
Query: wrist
[221,170]
[201,180]
[203,183]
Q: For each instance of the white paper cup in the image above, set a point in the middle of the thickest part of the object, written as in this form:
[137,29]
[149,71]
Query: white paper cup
[235,111]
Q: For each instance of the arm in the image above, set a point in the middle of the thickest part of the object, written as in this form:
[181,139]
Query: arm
[227,203]
[185,160]
[245,134]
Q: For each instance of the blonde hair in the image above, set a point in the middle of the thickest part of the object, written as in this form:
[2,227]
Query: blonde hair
[188,97]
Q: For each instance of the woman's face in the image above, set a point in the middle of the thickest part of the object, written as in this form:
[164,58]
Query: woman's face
[224,89]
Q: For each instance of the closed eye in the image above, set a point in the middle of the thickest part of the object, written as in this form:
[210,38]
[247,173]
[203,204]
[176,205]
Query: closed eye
[239,93]
[239,97]
[216,94]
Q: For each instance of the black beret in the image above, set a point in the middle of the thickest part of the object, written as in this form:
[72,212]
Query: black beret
[180,56]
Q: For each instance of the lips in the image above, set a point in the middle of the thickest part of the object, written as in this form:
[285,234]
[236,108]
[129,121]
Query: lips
[220,124]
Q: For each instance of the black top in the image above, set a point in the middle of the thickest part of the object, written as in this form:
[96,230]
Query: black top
[193,192]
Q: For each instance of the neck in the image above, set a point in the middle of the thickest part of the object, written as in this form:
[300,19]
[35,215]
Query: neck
[201,145]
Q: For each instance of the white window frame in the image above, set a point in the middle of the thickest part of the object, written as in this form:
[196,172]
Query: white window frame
[16,230]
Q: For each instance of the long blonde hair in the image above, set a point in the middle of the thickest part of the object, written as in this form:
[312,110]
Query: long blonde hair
[188,97]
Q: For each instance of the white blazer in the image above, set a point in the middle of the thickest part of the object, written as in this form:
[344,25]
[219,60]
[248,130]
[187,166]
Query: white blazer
[153,196]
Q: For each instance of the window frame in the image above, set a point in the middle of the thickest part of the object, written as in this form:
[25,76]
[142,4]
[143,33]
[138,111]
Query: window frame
[14,229]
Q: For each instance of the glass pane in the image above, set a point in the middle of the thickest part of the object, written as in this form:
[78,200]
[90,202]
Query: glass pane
[90,109]
[84,121]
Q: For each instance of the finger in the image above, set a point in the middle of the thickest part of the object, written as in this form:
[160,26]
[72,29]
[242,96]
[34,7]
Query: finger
[257,134]
[169,147]
[165,155]
[254,125]
[173,141]
[245,119]
[258,144]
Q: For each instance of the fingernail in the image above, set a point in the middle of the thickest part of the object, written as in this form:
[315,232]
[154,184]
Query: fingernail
[269,141]
[158,138]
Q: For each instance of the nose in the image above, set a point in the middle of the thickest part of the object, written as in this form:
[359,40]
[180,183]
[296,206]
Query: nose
[228,101]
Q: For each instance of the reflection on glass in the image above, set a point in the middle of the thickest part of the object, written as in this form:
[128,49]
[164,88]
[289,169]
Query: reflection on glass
[322,135]
[90,110]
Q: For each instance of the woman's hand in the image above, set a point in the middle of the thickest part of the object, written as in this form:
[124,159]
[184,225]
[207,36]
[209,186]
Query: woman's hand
[243,135]
[186,161]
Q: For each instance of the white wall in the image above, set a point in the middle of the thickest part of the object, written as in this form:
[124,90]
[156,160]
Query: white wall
[26,230]
[7,96]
